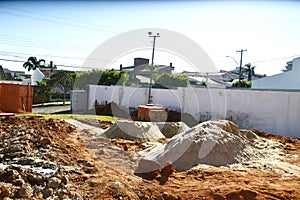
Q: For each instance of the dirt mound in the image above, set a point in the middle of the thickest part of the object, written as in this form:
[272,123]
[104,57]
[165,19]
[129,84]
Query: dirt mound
[217,143]
[135,131]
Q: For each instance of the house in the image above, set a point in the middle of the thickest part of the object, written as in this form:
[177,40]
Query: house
[139,73]
[220,79]
[288,80]
[10,75]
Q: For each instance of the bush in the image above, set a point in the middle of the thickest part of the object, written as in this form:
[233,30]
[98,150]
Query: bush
[244,83]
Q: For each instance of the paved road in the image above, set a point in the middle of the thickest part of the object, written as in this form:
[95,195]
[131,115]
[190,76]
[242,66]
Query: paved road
[50,109]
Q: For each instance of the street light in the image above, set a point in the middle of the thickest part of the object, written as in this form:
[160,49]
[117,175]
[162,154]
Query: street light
[152,63]
[233,60]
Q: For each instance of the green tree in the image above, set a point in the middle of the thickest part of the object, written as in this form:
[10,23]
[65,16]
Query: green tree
[99,77]
[42,89]
[64,80]
[32,63]
[171,80]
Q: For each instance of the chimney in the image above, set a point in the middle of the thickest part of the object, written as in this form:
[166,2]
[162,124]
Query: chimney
[121,67]
[171,66]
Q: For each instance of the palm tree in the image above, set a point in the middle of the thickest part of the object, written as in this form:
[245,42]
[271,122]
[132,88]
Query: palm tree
[249,70]
[32,63]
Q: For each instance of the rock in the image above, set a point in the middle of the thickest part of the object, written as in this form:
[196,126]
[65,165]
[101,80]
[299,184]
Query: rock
[89,170]
[5,190]
[63,194]
[25,191]
[9,175]
[54,182]
[18,182]
[49,192]
[35,179]
[64,180]
[146,166]
[45,141]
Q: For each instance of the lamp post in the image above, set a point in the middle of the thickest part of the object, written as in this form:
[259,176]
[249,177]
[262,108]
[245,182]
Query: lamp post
[152,63]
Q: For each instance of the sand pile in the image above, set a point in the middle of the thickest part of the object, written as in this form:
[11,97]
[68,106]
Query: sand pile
[135,131]
[144,131]
[217,143]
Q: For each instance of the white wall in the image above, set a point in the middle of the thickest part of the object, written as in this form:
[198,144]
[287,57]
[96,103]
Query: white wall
[270,111]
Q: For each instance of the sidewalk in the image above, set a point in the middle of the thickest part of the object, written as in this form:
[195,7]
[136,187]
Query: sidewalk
[51,109]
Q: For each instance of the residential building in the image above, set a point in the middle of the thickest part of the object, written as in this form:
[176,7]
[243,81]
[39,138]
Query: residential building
[139,73]
[288,80]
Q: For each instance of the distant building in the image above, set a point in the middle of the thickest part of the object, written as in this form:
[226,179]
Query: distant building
[217,79]
[288,80]
[11,75]
[139,73]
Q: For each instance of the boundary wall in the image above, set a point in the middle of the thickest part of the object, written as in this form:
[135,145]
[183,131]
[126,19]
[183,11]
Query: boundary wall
[275,112]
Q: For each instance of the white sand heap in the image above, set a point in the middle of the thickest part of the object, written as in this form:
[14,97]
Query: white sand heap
[144,131]
[217,143]
[135,131]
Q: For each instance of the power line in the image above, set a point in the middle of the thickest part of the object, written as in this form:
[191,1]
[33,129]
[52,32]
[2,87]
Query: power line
[57,22]
[28,40]
[53,16]
[282,58]
[4,53]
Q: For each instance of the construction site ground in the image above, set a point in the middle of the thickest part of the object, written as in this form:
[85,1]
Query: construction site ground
[54,159]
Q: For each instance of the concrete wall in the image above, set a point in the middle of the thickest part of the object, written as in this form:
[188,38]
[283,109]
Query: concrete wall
[78,101]
[270,111]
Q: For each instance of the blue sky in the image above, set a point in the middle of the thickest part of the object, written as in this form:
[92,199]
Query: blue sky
[68,31]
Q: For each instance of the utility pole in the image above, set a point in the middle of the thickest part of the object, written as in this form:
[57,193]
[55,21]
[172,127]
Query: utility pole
[241,62]
[152,63]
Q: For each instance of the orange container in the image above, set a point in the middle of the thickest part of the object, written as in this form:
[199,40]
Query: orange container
[16,98]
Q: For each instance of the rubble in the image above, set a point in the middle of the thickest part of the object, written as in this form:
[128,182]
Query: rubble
[30,163]
[50,159]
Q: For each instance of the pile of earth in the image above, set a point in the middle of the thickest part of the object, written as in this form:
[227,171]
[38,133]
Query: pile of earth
[218,143]
[144,131]
[50,159]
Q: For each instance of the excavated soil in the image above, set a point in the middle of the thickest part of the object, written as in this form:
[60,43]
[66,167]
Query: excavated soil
[50,159]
